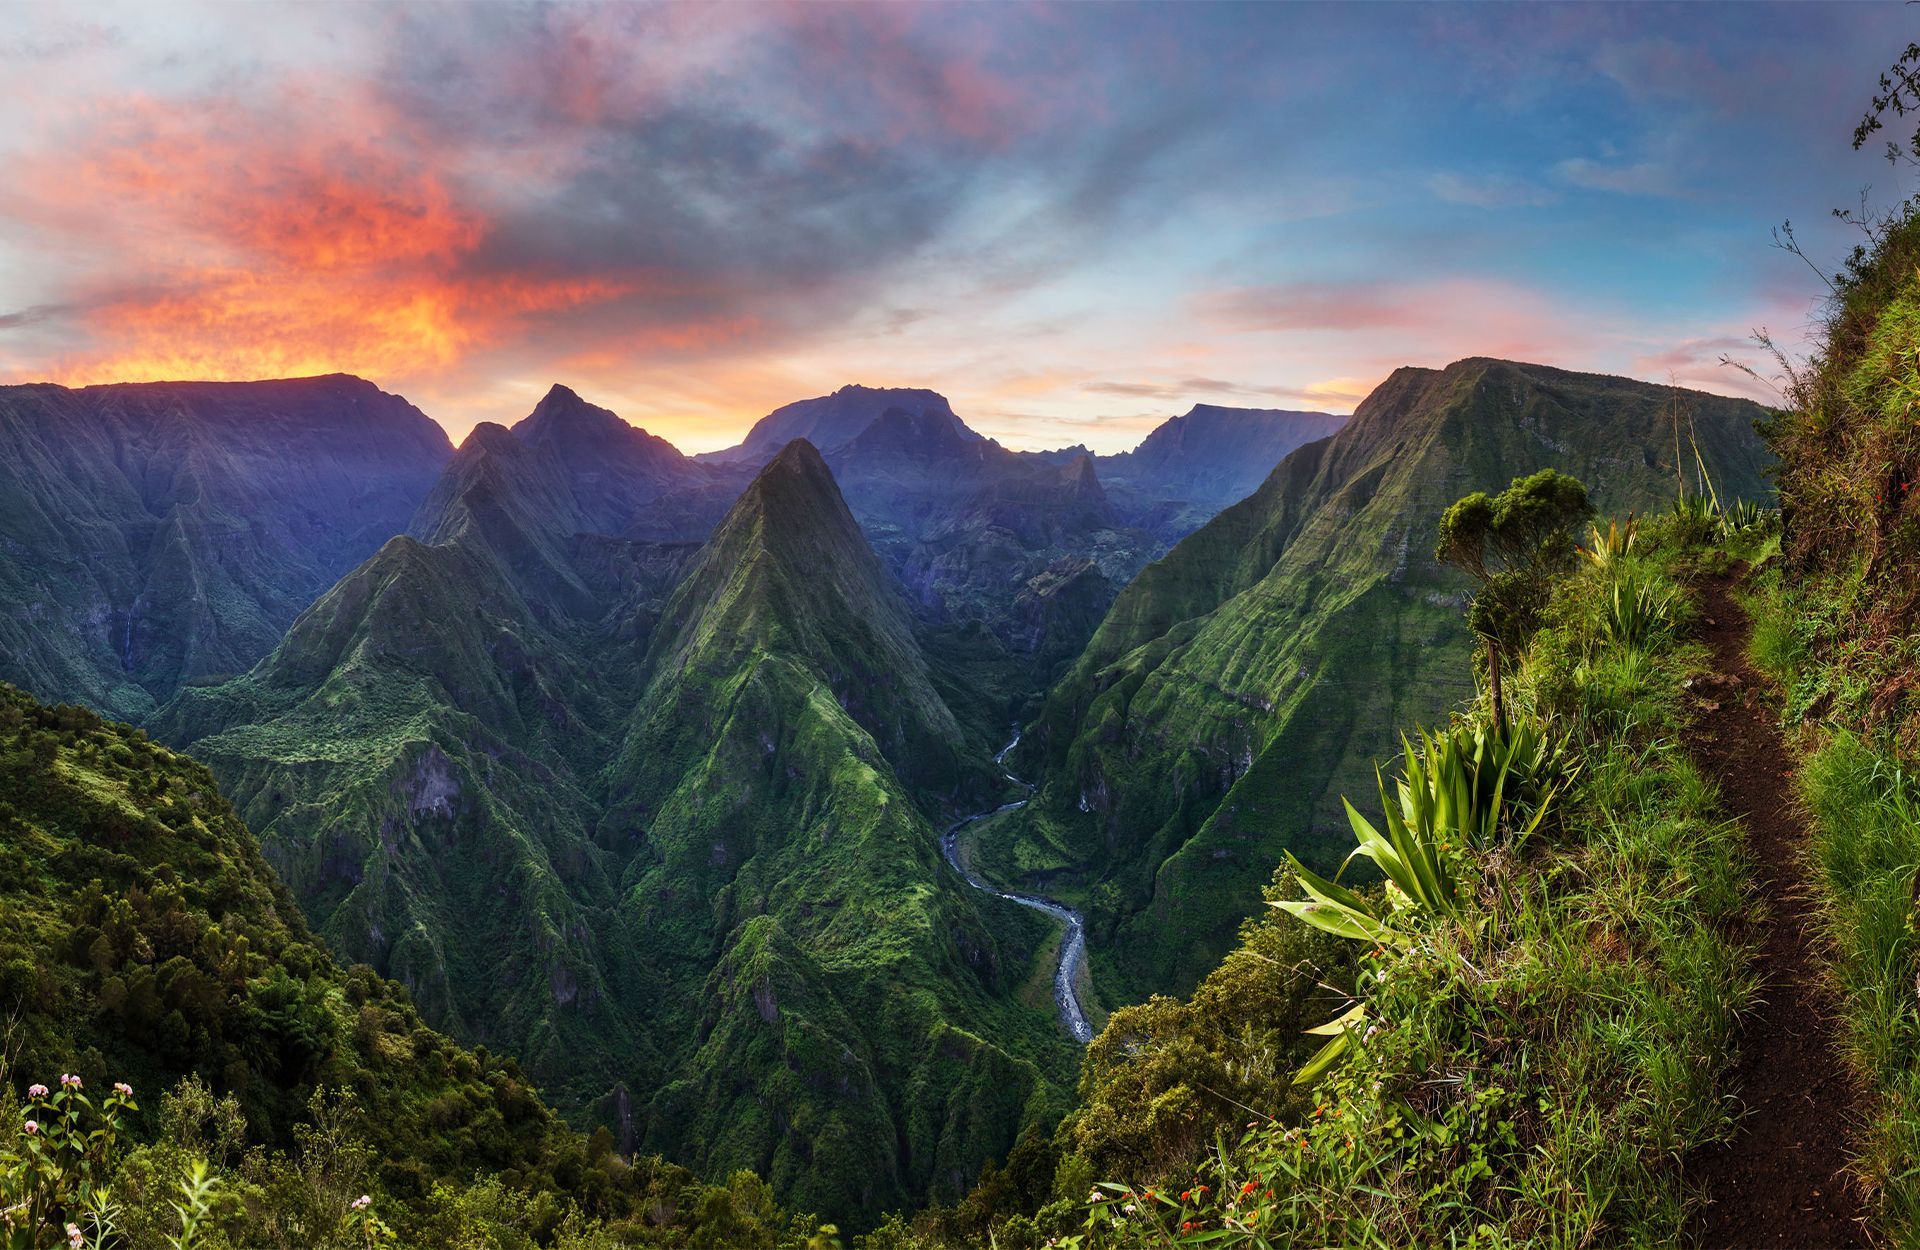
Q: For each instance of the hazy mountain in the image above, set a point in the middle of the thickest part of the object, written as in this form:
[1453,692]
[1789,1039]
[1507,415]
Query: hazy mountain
[1211,457]
[830,421]
[155,533]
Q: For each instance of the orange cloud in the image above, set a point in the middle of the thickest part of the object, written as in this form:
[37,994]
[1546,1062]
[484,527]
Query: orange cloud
[299,241]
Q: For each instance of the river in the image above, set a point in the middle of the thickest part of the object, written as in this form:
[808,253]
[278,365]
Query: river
[1073,948]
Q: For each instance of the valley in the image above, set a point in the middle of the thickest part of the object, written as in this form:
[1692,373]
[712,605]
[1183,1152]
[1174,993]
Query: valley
[654,770]
[624,760]
[1073,943]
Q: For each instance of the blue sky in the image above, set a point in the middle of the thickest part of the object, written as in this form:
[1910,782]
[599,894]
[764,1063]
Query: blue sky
[1074,220]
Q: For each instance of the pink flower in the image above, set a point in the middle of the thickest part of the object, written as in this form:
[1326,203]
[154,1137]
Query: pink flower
[36,1091]
[74,1237]
[70,1080]
[123,1089]
[33,1126]
[361,1203]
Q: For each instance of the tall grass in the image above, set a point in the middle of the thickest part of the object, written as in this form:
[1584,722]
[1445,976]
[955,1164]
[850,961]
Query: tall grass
[1866,845]
[1864,851]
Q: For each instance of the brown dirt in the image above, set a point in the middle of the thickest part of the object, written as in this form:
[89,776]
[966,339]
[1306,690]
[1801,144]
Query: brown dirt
[1782,1180]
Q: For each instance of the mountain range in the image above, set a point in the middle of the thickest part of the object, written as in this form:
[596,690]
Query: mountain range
[636,764]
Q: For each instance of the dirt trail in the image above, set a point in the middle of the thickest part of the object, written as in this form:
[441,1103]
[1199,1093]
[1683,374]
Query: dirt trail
[1781,1181]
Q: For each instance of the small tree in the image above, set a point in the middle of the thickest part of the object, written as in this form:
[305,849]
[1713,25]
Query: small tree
[1512,544]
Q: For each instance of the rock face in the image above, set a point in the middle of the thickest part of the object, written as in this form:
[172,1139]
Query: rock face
[1244,682]
[157,533]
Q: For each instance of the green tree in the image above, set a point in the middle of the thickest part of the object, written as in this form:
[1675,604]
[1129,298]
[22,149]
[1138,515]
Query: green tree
[1512,544]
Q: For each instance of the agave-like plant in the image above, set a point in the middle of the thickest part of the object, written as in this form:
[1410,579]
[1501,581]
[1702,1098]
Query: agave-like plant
[1695,509]
[1605,550]
[1636,612]
[1454,791]
[1744,515]
[1493,769]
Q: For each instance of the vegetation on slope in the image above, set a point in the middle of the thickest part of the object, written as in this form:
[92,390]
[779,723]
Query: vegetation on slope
[144,940]
[1534,1057]
[1246,681]
[1838,626]
[791,890]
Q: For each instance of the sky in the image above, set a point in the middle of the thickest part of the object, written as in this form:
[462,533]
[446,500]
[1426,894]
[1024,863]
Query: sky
[1074,220]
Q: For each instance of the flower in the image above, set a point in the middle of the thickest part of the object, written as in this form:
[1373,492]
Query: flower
[69,1080]
[75,1238]
[36,1091]
[361,1203]
[33,1126]
[123,1089]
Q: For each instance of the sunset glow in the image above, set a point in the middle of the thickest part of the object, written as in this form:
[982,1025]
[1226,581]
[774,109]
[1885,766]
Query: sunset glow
[698,214]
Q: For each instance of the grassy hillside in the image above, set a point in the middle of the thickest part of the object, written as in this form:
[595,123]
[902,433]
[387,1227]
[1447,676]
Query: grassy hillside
[1246,680]
[143,939]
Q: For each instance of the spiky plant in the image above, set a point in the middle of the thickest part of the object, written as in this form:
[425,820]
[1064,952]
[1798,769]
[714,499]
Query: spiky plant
[1454,792]
[1606,549]
[1637,612]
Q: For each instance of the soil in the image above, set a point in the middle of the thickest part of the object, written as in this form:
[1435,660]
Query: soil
[1782,1180]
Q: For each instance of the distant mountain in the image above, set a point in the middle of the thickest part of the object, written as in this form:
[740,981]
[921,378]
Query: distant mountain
[1212,456]
[613,470]
[1246,680]
[982,537]
[156,533]
[830,421]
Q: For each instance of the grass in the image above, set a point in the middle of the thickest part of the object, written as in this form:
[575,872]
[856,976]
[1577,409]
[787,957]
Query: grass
[1864,807]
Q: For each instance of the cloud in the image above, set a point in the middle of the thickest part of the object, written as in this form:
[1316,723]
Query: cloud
[1699,363]
[1651,178]
[1496,312]
[1330,394]
[30,316]
[1490,190]
[1177,389]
